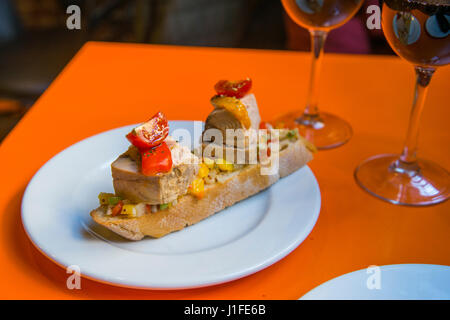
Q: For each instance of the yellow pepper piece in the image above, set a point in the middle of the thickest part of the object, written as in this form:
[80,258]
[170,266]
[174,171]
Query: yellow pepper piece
[129,209]
[224,165]
[197,188]
[208,162]
[235,107]
[203,171]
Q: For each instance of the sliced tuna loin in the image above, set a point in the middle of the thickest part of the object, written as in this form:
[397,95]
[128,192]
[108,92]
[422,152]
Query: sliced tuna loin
[130,184]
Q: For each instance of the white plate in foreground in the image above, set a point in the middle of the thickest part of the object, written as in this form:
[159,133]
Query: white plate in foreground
[236,242]
[390,282]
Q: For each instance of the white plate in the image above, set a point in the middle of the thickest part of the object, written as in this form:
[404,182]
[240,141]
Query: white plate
[241,240]
[395,282]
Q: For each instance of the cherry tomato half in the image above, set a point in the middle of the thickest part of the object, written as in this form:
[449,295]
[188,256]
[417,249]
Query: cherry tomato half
[150,133]
[236,89]
[156,160]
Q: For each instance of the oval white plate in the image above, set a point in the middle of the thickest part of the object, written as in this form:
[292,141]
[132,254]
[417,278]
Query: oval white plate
[236,242]
[395,282]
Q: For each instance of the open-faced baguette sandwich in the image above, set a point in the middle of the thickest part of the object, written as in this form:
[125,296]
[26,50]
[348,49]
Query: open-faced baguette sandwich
[161,186]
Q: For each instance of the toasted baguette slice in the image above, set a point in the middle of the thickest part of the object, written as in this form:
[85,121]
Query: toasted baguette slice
[240,185]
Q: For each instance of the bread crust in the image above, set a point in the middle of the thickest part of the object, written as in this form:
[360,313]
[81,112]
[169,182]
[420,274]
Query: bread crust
[190,210]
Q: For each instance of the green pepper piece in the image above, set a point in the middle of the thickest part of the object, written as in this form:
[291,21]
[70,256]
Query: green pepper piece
[114,200]
[163,206]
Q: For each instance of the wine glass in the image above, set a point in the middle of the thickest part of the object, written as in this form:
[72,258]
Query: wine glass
[417,31]
[324,130]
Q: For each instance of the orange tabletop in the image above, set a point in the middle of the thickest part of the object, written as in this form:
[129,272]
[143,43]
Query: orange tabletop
[111,85]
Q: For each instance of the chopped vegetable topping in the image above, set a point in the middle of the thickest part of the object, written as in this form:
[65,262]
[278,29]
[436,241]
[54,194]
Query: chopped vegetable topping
[164,206]
[153,208]
[208,162]
[114,200]
[129,209]
[103,198]
[203,171]
[117,209]
[224,165]
[197,188]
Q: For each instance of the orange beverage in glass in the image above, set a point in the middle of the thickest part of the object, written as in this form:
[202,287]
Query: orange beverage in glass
[419,32]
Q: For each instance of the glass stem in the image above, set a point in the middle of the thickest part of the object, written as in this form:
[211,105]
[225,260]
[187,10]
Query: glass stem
[408,156]
[318,38]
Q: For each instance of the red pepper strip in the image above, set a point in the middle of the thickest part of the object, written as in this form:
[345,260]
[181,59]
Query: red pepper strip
[117,208]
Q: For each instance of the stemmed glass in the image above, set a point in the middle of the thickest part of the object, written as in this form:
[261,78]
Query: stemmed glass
[417,31]
[319,17]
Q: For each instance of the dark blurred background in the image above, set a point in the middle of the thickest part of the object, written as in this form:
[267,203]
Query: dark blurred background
[35,44]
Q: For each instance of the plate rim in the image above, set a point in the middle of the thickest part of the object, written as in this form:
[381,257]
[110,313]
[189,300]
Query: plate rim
[123,283]
[312,294]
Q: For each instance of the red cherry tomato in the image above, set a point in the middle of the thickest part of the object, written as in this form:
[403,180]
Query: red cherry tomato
[236,89]
[156,160]
[151,133]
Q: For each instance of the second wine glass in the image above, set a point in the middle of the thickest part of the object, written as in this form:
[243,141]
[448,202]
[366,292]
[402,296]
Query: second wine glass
[319,17]
[419,32]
